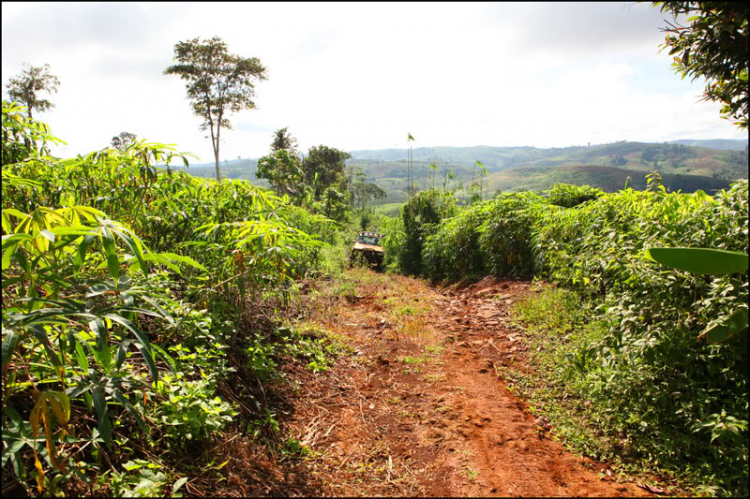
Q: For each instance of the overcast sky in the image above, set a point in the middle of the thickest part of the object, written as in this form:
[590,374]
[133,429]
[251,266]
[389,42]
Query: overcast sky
[362,76]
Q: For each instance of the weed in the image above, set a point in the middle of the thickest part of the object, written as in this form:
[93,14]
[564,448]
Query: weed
[471,474]
[435,349]
[414,360]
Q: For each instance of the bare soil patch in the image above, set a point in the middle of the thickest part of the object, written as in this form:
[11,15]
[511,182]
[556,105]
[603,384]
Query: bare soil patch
[419,408]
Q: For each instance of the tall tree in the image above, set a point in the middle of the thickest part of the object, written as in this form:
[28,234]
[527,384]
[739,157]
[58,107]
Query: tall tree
[325,167]
[26,87]
[217,83]
[714,45]
[282,139]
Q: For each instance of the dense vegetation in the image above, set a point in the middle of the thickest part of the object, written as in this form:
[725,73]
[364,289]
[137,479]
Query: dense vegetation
[142,305]
[138,310]
[654,386]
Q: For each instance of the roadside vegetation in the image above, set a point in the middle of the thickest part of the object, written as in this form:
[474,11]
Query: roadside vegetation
[144,312]
[656,392]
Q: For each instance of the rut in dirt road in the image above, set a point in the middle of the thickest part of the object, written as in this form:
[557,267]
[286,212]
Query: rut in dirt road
[419,408]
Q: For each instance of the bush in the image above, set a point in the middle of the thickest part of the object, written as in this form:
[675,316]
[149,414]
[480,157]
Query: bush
[507,235]
[188,410]
[453,252]
[421,216]
[568,196]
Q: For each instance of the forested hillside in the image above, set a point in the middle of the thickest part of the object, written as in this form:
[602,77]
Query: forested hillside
[607,166]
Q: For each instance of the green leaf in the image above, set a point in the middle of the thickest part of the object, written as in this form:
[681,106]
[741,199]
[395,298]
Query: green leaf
[9,345]
[41,334]
[121,353]
[113,262]
[136,248]
[149,361]
[81,253]
[167,357]
[83,360]
[130,327]
[102,416]
[179,483]
[731,326]
[700,260]
[121,399]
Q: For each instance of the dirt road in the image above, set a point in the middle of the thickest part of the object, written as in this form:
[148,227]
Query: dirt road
[418,408]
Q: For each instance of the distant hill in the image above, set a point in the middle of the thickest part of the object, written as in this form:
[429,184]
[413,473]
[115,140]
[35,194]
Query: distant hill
[721,144]
[607,178]
[687,167]
[606,166]
[235,169]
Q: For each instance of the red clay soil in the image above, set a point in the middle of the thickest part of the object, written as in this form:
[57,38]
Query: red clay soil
[419,409]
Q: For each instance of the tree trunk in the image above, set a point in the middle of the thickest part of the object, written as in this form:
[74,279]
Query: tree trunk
[216,152]
[216,149]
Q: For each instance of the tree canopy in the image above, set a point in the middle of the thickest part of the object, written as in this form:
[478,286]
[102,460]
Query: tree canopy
[325,167]
[283,169]
[282,139]
[714,45]
[217,83]
[25,88]
[123,140]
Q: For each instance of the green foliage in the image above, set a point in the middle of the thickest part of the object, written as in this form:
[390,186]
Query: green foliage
[700,260]
[334,204]
[188,410]
[421,216]
[453,251]
[283,169]
[282,139]
[325,167]
[644,366]
[21,136]
[713,46]
[141,478]
[568,196]
[124,324]
[362,191]
[507,241]
[123,140]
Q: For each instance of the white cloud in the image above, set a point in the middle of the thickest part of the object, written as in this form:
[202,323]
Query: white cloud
[359,76]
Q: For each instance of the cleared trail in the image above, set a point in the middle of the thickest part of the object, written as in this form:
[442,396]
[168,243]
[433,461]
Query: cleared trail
[418,408]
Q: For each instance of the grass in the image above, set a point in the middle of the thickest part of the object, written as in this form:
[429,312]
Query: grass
[409,310]
[414,360]
[434,378]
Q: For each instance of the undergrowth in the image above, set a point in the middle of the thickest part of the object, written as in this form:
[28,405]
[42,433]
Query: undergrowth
[563,330]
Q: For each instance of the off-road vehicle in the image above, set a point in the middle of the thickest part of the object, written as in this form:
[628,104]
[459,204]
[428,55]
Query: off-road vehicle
[367,249]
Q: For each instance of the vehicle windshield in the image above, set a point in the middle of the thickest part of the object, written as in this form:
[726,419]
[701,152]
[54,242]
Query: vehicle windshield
[369,240]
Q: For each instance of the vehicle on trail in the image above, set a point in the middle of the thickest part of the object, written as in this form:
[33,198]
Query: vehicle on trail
[367,249]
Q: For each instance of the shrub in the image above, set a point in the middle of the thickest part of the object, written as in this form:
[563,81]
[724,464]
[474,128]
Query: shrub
[568,196]
[421,216]
[507,234]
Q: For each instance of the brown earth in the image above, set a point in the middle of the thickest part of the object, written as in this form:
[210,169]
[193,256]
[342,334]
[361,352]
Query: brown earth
[418,407]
